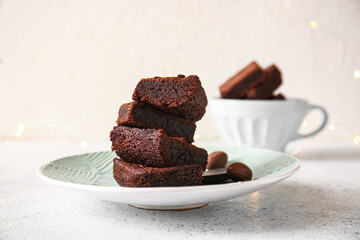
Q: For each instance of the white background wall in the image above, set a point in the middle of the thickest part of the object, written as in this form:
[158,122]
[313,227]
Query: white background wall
[66,66]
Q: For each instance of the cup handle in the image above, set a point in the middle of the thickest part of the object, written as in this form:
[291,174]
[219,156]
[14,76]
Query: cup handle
[320,128]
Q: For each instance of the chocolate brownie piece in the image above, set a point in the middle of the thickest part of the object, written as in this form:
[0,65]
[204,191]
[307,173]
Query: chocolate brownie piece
[154,148]
[137,114]
[265,90]
[181,96]
[136,175]
[237,86]
[279,96]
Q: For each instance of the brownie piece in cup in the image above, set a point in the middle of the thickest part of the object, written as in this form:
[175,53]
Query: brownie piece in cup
[238,85]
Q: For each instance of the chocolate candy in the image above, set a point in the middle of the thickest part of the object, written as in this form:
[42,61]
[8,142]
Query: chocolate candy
[215,176]
[216,160]
[239,172]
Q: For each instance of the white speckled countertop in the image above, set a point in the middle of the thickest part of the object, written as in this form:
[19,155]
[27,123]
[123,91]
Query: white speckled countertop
[321,201]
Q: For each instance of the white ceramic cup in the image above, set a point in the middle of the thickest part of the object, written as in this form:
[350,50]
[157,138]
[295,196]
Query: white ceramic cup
[267,124]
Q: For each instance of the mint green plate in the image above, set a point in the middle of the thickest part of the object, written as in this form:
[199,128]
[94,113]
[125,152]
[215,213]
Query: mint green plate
[91,174]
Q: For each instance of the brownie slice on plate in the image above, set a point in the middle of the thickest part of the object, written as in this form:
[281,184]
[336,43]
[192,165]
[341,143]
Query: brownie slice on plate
[137,114]
[181,96]
[154,148]
[136,175]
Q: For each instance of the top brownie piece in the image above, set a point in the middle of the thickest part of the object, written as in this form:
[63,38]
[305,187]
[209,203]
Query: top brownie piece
[237,86]
[180,96]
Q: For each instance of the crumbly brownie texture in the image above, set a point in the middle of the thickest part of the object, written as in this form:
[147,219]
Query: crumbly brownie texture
[154,148]
[181,96]
[137,114]
[237,86]
[136,175]
[265,90]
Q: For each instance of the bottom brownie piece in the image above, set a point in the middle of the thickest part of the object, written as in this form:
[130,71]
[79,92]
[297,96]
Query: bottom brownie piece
[136,175]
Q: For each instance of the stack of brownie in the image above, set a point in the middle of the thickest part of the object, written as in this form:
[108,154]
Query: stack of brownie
[154,133]
[253,82]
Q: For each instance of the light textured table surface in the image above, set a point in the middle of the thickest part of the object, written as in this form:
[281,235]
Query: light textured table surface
[321,201]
